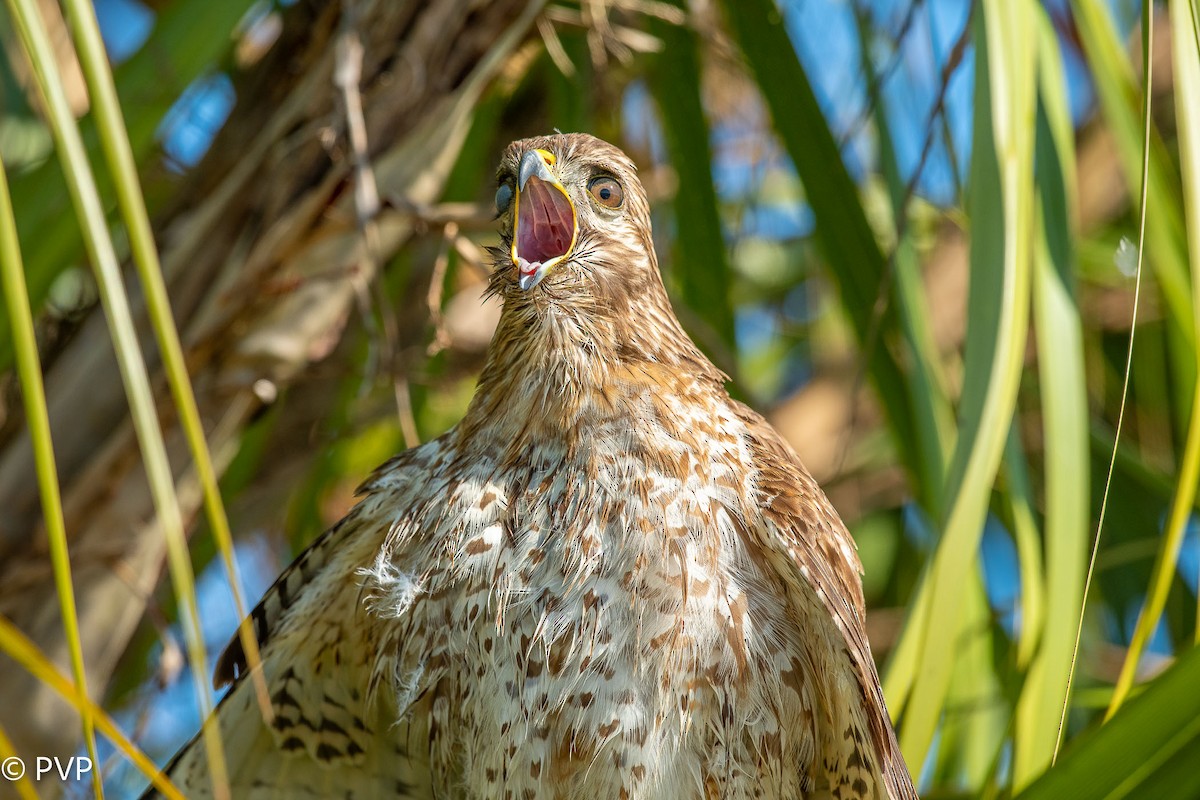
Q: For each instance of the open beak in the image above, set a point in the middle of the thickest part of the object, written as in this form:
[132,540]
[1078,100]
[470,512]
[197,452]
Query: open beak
[545,220]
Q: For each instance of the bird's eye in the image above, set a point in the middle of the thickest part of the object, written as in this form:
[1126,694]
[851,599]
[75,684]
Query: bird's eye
[607,191]
[504,196]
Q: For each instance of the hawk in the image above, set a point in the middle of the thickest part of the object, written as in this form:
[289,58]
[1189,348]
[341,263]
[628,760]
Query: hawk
[609,580]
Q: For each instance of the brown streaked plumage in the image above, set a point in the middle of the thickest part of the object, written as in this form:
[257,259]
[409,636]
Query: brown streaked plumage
[610,580]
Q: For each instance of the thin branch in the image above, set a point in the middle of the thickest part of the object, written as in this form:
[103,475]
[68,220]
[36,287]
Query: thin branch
[347,76]
[883,298]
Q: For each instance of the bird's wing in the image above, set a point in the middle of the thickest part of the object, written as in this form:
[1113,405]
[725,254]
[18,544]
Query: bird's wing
[332,735]
[807,545]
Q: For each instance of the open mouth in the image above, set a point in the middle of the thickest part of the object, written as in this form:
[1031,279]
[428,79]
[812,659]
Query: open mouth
[545,227]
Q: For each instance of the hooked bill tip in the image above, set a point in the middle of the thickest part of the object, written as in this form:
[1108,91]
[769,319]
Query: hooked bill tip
[532,164]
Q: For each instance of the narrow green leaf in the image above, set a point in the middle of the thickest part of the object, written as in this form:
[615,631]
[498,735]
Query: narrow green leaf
[1000,205]
[934,425]
[1064,416]
[1187,77]
[1166,244]
[1124,758]
[120,159]
[1186,53]
[37,418]
[976,715]
[703,271]
[901,670]
[1028,539]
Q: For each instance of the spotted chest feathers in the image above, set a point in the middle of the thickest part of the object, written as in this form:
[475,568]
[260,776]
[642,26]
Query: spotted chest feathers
[612,635]
[609,580]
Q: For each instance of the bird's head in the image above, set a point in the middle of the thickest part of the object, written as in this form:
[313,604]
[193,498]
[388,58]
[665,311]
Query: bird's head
[575,221]
[584,304]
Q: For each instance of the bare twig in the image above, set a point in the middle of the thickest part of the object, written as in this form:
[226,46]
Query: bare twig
[470,216]
[605,36]
[370,293]
[437,287]
[473,255]
[880,77]
[554,47]
[883,298]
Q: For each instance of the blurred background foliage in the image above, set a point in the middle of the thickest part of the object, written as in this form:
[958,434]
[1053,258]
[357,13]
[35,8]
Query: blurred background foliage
[909,230]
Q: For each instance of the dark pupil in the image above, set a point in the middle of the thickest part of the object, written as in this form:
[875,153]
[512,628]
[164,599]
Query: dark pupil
[605,193]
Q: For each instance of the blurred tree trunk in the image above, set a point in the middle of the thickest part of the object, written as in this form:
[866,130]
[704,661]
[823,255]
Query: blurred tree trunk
[262,250]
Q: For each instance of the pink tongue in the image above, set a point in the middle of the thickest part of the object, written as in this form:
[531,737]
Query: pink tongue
[544,224]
